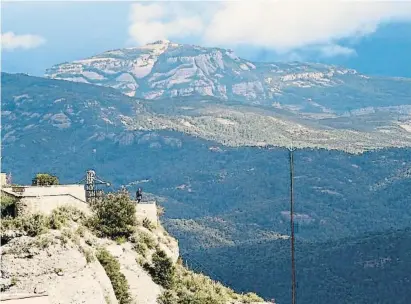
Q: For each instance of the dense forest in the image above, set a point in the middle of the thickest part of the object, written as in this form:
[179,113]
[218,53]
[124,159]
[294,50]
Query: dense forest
[373,268]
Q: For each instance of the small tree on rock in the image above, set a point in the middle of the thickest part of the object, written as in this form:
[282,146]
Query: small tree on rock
[114,216]
[162,269]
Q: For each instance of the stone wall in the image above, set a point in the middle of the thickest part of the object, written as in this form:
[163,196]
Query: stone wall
[3,179]
[76,191]
[46,204]
[43,199]
[35,199]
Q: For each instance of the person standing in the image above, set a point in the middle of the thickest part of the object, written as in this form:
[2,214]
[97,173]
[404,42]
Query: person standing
[139,195]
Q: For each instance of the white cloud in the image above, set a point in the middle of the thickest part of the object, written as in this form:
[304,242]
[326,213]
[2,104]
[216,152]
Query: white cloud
[287,25]
[284,26]
[152,22]
[11,41]
[333,50]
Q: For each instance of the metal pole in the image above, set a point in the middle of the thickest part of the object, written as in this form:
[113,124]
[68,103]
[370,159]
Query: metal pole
[293,299]
[90,185]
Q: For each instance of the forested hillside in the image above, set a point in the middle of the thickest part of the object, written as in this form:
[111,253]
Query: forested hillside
[372,268]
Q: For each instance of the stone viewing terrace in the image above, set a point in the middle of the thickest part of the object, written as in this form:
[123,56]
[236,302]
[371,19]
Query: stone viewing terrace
[43,199]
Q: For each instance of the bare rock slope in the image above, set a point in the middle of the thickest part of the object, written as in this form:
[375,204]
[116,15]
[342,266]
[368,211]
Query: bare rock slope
[66,265]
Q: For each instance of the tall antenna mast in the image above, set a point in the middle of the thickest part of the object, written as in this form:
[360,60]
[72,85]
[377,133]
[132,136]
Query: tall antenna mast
[293,285]
[92,180]
[90,185]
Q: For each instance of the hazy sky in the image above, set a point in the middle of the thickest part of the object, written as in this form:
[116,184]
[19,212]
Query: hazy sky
[371,36]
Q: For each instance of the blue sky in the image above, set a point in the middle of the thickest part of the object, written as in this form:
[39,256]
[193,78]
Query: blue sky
[372,37]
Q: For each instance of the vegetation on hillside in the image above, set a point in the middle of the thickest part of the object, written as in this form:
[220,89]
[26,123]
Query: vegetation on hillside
[181,286]
[38,223]
[114,216]
[236,127]
[31,225]
[7,205]
[237,192]
[118,280]
[193,288]
[372,268]
[161,269]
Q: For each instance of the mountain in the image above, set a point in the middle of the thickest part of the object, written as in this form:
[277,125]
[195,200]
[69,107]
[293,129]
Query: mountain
[163,70]
[217,191]
[369,268]
[65,127]
[211,93]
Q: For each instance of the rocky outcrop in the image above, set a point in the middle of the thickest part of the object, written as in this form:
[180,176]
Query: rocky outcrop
[62,264]
[60,257]
[54,265]
[164,69]
[141,285]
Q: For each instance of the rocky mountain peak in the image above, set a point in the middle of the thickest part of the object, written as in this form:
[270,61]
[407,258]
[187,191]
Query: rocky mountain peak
[164,69]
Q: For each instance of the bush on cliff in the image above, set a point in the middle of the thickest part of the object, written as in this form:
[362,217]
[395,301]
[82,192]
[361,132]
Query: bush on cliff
[114,216]
[193,288]
[61,216]
[38,223]
[118,280]
[31,225]
[7,205]
[162,269]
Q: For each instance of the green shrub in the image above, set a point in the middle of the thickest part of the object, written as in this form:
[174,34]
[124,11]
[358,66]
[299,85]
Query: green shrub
[67,235]
[118,280]
[107,299]
[32,225]
[14,281]
[141,248]
[114,216]
[45,179]
[81,231]
[140,261]
[121,240]
[162,269]
[143,237]
[192,288]
[43,242]
[72,213]
[168,297]
[57,220]
[147,239]
[61,215]
[7,206]
[148,224]
[201,297]
[251,297]
[88,254]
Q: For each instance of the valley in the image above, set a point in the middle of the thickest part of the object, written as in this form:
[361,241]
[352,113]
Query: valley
[370,268]
[217,160]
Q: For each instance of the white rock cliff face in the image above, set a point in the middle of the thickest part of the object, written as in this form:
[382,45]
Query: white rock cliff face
[60,270]
[164,69]
[57,265]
